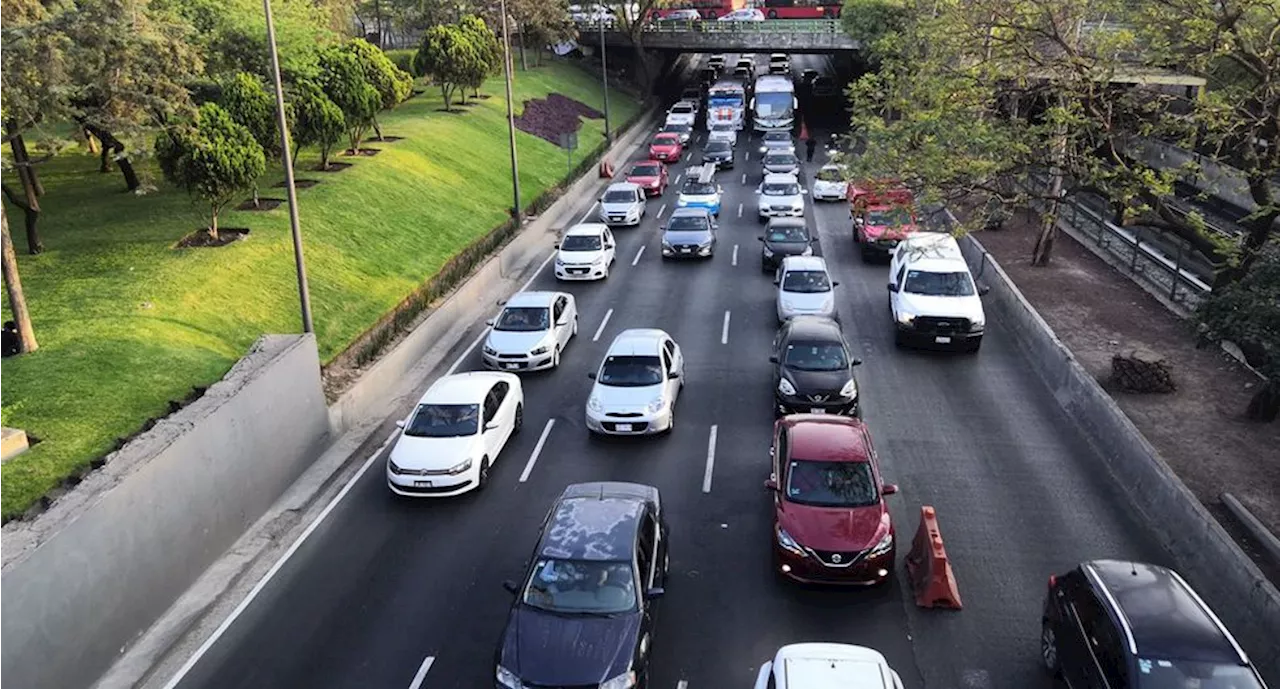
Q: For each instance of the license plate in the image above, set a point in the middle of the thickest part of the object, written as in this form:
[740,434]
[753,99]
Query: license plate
[421,484]
[817,410]
[511,365]
[685,250]
[623,427]
[942,340]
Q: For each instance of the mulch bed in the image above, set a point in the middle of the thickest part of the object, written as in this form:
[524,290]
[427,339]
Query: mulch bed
[368,152]
[264,204]
[299,184]
[549,118]
[333,167]
[200,239]
[388,139]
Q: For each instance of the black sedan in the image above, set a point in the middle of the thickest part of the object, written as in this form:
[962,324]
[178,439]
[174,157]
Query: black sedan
[784,237]
[812,369]
[719,153]
[584,615]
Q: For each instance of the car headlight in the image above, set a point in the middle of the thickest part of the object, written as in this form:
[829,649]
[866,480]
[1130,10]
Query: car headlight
[623,681]
[460,467]
[763,149]
[508,679]
[884,546]
[787,542]
[705,244]
[906,318]
[538,350]
[769,252]
[395,468]
[594,404]
[655,405]
[490,350]
[785,387]
[850,390]
[808,251]
[976,325]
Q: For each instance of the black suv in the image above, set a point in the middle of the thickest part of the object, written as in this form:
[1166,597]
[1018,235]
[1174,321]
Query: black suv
[584,613]
[1127,625]
[784,237]
[812,369]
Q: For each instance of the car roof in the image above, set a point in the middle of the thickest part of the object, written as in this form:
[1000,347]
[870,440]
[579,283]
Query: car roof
[585,229]
[780,178]
[832,666]
[814,328]
[588,524]
[827,438]
[667,136]
[637,342]
[464,388]
[775,153]
[1164,617]
[623,186]
[778,134]
[787,222]
[690,212]
[650,161]
[686,103]
[536,298]
[804,263]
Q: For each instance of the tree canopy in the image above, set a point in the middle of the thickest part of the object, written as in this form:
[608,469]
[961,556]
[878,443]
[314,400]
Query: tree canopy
[342,78]
[450,58]
[316,120]
[1247,312]
[392,83]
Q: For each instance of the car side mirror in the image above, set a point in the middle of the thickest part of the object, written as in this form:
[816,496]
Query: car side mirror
[673,375]
[400,423]
[758,191]
[556,245]
[591,375]
[773,359]
[889,488]
[654,593]
[510,586]
[804,192]
[893,287]
[771,483]
[490,322]
[491,426]
[856,362]
[776,281]
[761,238]
[983,290]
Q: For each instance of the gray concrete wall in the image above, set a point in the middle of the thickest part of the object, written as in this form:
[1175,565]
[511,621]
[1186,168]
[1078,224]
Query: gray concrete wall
[1204,553]
[85,578]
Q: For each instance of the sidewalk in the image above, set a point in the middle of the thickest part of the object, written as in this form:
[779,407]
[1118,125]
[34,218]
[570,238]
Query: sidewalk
[1200,430]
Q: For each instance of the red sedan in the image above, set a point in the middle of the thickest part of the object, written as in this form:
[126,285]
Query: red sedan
[651,175]
[831,524]
[666,147]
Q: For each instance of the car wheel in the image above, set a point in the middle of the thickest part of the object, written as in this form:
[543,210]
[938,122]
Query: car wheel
[555,358]
[519,422]
[606,272]
[899,340]
[866,253]
[575,325]
[484,474]
[1048,647]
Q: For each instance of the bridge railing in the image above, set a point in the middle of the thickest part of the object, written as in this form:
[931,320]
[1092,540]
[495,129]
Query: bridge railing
[667,26]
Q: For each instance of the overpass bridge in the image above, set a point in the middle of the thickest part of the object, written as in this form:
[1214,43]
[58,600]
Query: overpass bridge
[824,36]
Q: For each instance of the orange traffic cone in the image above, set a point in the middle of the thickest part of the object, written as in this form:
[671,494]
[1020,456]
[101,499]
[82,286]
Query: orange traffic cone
[928,567]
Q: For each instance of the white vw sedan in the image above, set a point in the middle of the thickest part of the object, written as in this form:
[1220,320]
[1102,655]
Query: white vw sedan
[585,252]
[811,665]
[455,434]
[531,332]
[636,387]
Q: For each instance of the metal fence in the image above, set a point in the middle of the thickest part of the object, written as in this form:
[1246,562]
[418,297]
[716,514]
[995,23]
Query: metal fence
[800,26]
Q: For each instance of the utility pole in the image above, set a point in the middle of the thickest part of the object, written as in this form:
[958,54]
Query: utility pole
[604,74]
[516,211]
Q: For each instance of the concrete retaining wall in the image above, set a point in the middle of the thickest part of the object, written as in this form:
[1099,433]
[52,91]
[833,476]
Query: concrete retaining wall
[1204,553]
[84,579]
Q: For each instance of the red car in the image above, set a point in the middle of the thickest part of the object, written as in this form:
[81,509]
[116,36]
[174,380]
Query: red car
[666,147]
[882,216]
[831,524]
[651,175]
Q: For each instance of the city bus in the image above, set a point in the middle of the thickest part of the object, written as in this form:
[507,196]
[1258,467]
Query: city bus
[801,9]
[709,9]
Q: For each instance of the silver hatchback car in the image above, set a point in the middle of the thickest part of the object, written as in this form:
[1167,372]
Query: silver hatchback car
[805,288]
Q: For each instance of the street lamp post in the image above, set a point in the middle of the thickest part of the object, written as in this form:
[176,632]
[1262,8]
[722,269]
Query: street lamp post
[511,115]
[604,74]
[300,265]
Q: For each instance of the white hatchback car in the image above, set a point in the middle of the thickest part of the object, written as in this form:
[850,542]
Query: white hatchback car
[829,184]
[805,288]
[531,332]
[623,203]
[821,665]
[455,434]
[684,112]
[636,385]
[585,252]
[780,196]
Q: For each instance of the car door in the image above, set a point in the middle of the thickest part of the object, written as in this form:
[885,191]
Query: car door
[1078,635]
[899,280]
[646,571]
[641,201]
[779,352]
[571,314]
[672,353]
[563,327]
[670,385]
[496,428]
[610,247]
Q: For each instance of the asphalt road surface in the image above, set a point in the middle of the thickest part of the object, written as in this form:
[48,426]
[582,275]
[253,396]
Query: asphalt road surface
[387,583]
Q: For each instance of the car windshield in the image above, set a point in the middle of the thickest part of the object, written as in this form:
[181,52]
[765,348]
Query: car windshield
[682,109]
[444,421]
[523,319]
[889,217]
[581,242]
[829,174]
[686,223]
[816,356]
[677,128]
[774,103]
[646,171]
[718,147]
[788,234]
[619,196]
[781,189]
[776,137]
[780,159]
[696,188]
[630,371]
[831,484]
[582,587]
[732,100]
[806,281]
[957,284]
[1155,673]
[665,140]
[722,128]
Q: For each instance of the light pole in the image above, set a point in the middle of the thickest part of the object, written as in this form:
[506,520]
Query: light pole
[304,295]
[604,74]
[511,115]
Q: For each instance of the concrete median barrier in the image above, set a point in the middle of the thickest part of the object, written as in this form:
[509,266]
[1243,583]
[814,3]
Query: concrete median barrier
[1203,552]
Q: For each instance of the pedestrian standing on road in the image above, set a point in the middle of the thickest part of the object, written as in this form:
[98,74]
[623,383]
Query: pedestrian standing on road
[809,146]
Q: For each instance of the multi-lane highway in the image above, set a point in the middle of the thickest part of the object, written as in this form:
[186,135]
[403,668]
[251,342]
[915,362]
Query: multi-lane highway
[387,583]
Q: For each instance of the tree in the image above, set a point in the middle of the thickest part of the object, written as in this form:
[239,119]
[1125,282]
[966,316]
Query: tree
[541,23]
[231,34]
[342,78]
[248,103]
[392,83]
[448,57]
[631,20]
[316,120]
[1247,312]
[13,288]
[213,158]
[488,54]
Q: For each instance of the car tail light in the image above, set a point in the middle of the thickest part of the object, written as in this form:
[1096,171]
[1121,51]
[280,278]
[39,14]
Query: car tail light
[1053,580]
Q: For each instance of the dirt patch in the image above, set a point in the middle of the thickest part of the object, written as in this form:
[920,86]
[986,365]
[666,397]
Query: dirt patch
[387,139]
[201,239]
[333,167]
[548,118]
[367,152]
[1200,429]
[264,204]
[299,184]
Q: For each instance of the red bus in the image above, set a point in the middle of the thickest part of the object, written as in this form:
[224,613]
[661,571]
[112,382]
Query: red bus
[709,9]
[801,9]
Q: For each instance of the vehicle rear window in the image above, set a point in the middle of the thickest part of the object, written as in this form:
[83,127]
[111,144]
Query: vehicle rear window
[687,223]
[646,171]
[696,188]
[777,136]
[781,189]
[895,217]
[444,421]
[666,140]
[682,109]
[806,281]
[831,484]
[830,175]
[677,128]
[718,146]
[816,356]
[780,159]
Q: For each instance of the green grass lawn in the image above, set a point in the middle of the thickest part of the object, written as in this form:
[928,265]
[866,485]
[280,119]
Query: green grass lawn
[126,323]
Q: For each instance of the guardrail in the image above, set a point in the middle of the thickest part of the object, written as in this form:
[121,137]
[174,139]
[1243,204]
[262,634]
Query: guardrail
[802,26]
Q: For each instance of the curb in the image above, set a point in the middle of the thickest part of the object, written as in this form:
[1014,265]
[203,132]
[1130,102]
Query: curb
[1256,528]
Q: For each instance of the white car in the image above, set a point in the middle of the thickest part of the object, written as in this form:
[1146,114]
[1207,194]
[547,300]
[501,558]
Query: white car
[823,665]
[623,203]
[531,332]
[685,15]
[780,196]
[684,131]
[455,434]
[636,385]
[830,184]
[723,131]
[746,14]
[585,252]
[684,112]
[932,295]
[805,288]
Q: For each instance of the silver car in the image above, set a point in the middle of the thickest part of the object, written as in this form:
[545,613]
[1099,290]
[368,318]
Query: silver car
[781,163]
[777,142]
[690,233]
[805,288]
[637,384]
[623,203]
[723,131]
[685,131]
[780,196]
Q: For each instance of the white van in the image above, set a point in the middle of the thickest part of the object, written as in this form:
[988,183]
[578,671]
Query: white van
[932,295]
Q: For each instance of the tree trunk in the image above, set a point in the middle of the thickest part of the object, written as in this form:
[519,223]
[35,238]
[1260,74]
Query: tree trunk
[377,129]
[113,148]
[1043,251]
[444,92]
[29,203]
[1258,231]
[21,157]
[325,149]
[524,63]
[13,288]
[213,222]
[256,203]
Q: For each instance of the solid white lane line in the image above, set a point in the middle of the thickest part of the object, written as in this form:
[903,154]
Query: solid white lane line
[744,178]
[739,210]
[711,459]
[724,332]
[662,210]
[586,215]
[422,673]
[735,254]
[537,450]
[638,255]
[603,323]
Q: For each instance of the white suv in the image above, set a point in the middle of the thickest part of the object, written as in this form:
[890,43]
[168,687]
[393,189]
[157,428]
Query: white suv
[933,296]
[805,288]
[585,252]
[623,203]
[780,196]
[817,665]
[636,385]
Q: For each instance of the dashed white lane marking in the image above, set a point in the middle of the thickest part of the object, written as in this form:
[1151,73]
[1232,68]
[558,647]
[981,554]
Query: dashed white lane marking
[711,459]
[422,672]
[587,214]
[662,210]
[638,255]
[744,178]
[607,315]
[678,177]
[537,450]
[682,684]
[746,155]
[735,254]
[739,210]
[724,332]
